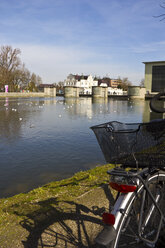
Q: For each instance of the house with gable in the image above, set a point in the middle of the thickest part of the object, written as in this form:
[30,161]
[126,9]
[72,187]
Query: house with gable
[85,83]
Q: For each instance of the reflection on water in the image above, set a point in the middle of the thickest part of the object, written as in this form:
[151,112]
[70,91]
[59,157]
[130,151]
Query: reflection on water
[149,115]
[13,115]
[45,139]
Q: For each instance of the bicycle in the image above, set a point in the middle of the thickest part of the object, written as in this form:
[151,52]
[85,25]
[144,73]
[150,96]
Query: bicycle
[138,151]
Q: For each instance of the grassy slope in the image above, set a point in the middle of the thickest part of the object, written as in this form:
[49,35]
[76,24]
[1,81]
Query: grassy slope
[38,203]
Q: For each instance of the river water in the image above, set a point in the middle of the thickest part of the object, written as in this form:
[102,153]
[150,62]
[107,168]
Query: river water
[47,139]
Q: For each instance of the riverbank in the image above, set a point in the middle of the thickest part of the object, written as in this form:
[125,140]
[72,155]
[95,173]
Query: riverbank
[42,94]
[22,94]
[64,213]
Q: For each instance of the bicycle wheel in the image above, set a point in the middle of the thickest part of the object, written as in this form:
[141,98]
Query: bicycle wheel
[127,231]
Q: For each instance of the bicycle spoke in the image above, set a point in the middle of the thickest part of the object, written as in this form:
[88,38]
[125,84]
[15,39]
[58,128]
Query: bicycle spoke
[129,235]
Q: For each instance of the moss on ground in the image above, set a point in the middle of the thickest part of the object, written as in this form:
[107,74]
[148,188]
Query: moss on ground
[32,207]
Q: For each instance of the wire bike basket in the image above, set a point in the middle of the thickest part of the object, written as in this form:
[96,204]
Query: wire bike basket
[132,144]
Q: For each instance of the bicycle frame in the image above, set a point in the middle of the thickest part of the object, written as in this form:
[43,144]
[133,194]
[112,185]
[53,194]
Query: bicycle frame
[131,145]
[124,198]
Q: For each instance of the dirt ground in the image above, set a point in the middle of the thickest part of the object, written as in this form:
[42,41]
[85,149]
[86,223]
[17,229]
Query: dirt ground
[71,224]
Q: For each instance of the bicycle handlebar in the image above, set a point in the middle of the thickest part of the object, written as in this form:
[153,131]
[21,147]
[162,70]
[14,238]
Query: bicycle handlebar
[152,103]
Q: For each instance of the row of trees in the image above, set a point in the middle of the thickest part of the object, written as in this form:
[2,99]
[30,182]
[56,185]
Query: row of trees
[125,83]
[14,73]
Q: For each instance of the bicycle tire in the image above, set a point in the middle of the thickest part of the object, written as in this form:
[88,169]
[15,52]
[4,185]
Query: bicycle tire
[128,236]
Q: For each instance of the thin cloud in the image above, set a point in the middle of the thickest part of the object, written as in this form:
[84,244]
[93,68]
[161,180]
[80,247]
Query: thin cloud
[53,64]
[158,47]
[91,37]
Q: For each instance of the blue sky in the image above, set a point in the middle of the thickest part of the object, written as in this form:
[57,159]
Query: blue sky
[97,37]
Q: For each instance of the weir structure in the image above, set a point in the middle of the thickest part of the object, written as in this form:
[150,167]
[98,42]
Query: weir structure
[50,91]
[136,92]
[99,92]
[70,91]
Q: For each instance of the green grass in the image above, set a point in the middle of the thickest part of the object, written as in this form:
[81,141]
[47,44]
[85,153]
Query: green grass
[40,202]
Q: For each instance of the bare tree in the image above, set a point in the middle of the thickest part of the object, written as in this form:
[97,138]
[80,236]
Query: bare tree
[59,86]
[34,82]
[141,83]
[13,72]
[161,16]
[124,83]
[25,77]
[38,80]
[9,64]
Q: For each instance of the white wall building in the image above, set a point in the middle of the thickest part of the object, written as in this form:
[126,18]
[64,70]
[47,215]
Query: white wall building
[85,83]
[115,91]
[103,85]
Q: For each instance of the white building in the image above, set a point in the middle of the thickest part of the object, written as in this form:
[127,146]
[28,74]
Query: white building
[85,83]
[103,85]
[115,91]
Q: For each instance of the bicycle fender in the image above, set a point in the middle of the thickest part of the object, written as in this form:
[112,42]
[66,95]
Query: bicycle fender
[106,236]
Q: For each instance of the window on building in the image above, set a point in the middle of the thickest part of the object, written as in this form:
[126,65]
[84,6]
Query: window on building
[158,78]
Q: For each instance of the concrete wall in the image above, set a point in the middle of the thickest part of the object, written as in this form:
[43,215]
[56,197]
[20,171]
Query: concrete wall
[100,100]
[71,91]
[148,77]
[20,94]
[47,92]
[98,91]
[136,92]
[50,91]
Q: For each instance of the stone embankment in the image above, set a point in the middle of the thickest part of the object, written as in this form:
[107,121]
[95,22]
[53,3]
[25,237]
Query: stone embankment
[22,94]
